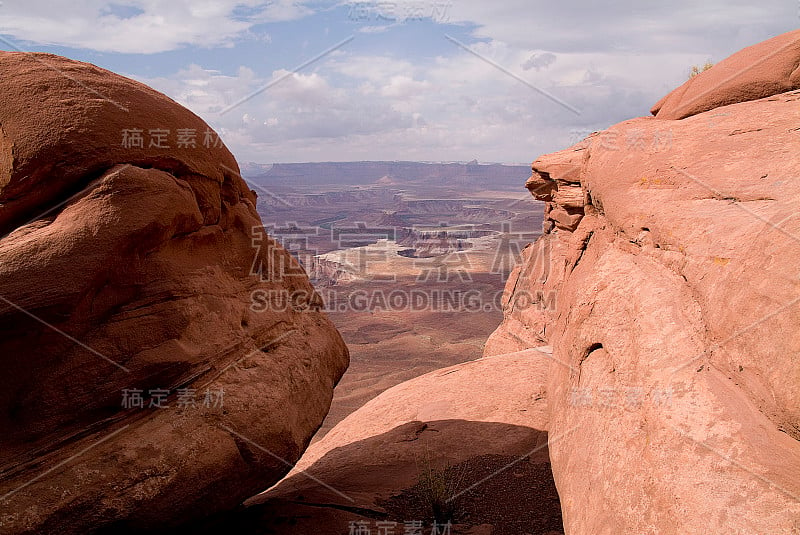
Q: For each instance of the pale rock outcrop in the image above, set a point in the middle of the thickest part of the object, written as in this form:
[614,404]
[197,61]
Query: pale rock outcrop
[128,261]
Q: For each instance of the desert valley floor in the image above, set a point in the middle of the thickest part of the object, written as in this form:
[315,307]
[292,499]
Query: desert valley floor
[410,258]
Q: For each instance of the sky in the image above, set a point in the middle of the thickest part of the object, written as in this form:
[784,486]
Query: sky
[422,80]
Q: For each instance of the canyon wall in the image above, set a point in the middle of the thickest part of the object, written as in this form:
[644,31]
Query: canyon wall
[668,287]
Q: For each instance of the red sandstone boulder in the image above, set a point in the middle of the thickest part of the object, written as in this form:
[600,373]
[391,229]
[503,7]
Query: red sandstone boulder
[139,385]
[768,68]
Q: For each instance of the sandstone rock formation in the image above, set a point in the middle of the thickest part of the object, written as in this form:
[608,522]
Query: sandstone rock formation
[768,68]
[480,420]
[668,286]
[128,259]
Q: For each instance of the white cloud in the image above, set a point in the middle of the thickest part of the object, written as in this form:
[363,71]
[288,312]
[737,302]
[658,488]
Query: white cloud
[405,87]
[376,69]
[681,25]
[298,88]
[373,29]
[417,115]
[451,107]
[539,61]
[389,99]
[141,26]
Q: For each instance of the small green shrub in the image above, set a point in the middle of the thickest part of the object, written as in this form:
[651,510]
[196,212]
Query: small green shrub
[438,488]
[697,70]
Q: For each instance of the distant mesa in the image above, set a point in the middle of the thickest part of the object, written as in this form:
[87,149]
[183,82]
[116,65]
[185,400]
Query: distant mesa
[370,173]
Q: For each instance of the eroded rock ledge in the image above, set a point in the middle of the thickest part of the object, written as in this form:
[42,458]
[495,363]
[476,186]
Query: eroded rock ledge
[556,181]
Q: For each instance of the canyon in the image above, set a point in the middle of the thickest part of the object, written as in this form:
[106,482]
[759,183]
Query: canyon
[402,346]
[400,259]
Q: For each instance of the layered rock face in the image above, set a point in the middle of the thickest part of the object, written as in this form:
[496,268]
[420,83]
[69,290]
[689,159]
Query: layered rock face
[668,286]
[139,387]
